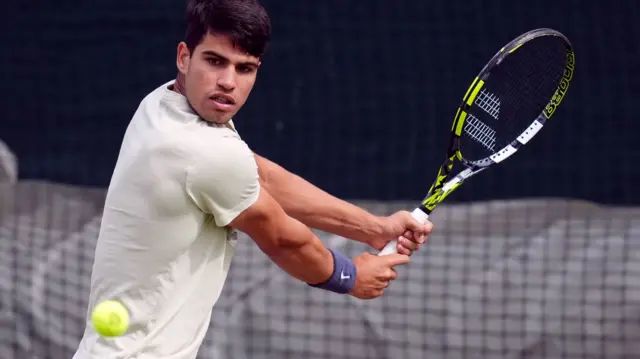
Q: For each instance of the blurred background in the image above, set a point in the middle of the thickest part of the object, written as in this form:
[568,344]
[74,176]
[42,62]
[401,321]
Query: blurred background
[537,258]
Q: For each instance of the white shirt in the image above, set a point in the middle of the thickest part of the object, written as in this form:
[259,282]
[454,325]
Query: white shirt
[164,249]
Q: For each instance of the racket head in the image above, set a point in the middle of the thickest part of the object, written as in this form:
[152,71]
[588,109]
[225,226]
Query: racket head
[512,97]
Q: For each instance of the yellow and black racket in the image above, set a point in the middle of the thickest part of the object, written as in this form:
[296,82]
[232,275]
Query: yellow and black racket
[504,108]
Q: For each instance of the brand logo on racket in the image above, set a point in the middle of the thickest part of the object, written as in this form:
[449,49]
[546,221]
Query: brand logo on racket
[562,87]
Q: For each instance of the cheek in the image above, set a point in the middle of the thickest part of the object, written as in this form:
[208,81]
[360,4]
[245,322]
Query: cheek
[245,88]
[201,77]
[200,81]
[200,73]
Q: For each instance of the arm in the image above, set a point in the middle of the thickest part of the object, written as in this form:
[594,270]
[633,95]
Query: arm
[289,243]
[315,207]
[223,182]
[294,248]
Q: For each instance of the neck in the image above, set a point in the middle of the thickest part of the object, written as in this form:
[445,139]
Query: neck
[178,85]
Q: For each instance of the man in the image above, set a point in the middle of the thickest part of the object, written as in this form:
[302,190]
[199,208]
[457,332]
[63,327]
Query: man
[185,182]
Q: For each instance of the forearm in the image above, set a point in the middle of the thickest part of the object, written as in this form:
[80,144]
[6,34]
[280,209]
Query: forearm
[302,255]
[289,243]
[315,207]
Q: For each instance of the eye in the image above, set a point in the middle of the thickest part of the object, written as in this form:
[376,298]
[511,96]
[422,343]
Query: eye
[244,69]
[214,61]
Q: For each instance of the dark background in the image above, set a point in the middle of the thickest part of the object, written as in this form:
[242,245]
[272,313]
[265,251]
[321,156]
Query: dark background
[356,96]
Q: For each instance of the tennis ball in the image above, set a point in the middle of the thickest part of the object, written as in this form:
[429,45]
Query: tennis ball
[110,318]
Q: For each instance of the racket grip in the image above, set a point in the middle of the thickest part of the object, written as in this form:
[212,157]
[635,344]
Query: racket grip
[392,247]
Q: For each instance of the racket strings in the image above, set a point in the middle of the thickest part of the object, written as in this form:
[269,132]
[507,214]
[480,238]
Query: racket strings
[480,132]
[513,96]
[531,75]
[489,103]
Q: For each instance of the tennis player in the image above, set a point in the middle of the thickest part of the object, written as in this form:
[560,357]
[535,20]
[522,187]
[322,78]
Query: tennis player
[185,182]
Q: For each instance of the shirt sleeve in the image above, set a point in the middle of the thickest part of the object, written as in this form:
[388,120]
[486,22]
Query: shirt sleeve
[224,181]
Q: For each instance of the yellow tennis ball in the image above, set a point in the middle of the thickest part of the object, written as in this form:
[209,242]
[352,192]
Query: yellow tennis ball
[110,318]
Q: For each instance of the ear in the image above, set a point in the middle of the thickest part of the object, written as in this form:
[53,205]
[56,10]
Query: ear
[183,58]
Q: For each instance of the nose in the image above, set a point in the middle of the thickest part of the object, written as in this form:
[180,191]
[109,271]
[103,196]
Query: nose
[226,80]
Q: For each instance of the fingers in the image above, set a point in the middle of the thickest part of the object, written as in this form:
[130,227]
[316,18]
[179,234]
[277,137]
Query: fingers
[392,275]
[407,247]
[405,251]
[375,274]
[385,282]
[413,225]
[416,237]
[416,231]
[375,294]
[409,242]
[427,229]
[395,259]
[387,275]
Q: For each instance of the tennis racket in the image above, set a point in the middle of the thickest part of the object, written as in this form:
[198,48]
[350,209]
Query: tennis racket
[507,104]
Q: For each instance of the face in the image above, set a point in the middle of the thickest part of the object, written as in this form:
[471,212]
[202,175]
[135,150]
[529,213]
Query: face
[218,77]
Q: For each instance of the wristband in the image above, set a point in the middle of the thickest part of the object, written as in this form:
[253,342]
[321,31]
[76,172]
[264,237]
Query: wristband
[343,277]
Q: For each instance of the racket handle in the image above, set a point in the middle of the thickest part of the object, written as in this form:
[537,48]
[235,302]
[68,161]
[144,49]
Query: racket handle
[392,247]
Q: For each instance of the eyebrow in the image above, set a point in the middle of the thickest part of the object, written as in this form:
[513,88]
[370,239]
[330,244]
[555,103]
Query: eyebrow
[213,53]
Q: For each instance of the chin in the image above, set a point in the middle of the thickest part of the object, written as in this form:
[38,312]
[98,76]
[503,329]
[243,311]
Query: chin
[219,119]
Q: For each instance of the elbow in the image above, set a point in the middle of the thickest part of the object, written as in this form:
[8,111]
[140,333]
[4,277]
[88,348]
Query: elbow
[286,238]
[280,245]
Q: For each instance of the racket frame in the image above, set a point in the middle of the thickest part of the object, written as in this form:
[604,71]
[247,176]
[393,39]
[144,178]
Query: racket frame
[444,184]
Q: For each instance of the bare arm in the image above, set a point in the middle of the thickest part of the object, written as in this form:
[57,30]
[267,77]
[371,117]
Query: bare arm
[223,182]
[289,243]
[315,207]
[295,249]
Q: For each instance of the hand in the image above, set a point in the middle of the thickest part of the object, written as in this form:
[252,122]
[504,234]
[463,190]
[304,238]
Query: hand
[403,227]
[375,273]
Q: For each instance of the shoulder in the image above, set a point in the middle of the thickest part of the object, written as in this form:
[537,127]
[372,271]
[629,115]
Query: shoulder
[162,102]
[223,178]
[159,95]
[172,122]
[221,155]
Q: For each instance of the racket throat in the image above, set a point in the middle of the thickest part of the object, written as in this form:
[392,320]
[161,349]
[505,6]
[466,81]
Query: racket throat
[439,195]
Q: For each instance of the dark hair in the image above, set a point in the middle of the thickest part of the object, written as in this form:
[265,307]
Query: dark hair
[245,22]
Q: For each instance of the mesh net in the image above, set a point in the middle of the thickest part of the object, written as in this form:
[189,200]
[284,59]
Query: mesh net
[508,279]
[358,99]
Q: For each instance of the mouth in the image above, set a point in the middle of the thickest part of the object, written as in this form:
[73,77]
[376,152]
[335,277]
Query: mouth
[222,99]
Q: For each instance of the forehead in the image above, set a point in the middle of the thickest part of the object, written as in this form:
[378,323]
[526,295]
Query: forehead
[223,45]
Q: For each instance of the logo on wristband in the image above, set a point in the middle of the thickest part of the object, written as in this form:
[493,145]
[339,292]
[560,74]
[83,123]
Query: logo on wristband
[343,277]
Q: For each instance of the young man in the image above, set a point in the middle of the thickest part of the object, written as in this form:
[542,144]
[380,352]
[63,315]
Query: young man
[185,182]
